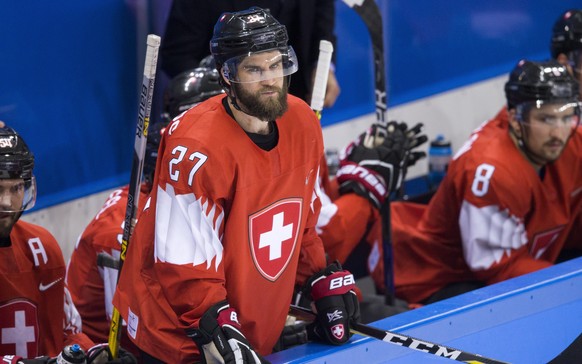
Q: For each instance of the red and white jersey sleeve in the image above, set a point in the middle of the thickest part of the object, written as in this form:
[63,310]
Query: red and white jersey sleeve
[225,220]
[37,315]
[345,220]
[91,286]
[493,217]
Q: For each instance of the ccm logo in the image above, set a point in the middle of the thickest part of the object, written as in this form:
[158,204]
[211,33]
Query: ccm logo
[341,282]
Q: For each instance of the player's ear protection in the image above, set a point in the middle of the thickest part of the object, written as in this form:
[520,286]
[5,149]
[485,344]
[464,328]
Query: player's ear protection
[225,72]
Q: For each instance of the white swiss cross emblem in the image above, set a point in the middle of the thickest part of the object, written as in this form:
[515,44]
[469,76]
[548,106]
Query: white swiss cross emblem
[19,329]
[338,331]
[273,236]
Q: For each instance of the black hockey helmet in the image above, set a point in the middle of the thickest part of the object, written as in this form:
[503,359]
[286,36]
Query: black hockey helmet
[251,30]
[567,33]
[155,133]
[240,34]
[188,89]
[538,82]
[17,162]
[16,159]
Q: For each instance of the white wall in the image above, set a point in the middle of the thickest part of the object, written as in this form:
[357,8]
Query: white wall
[67,221]
[454,114]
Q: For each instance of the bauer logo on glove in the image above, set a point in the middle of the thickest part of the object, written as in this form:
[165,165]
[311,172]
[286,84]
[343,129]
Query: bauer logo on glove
[373,166]
[332,291]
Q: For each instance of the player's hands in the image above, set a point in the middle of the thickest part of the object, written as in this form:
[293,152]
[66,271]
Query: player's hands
[336,304]
[293,334]
[100,354]
[415,139]
[376,135]
[220,338]
[372,165]
[375,163]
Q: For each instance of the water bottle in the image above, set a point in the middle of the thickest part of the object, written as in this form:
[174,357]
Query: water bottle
[72,354]
[439,156]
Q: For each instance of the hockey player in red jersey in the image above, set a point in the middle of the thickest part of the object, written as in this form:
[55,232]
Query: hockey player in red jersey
[37,316]
[91,286]
[566,47]
[507,203]
[229,228]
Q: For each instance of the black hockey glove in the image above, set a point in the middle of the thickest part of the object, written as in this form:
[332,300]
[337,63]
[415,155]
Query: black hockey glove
[100,354]
[415,139]
[219,337]
[292,335]
[377,134]
[375,164]
[332,291]
[371,166]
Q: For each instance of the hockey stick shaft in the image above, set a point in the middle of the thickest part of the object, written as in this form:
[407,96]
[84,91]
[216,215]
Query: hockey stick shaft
[106,260]
[370,14]
[141,133]
[410,342]
[321,76]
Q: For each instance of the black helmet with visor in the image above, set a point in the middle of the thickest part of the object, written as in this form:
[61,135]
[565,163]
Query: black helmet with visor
[17,162]
[533,84]
[550,90]
[240,36]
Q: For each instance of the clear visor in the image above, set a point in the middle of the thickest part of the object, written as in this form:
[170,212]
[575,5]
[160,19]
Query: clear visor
[550,114]
[261,66]
[17,195]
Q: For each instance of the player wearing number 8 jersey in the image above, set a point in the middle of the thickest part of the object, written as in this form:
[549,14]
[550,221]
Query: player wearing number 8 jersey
[507,203]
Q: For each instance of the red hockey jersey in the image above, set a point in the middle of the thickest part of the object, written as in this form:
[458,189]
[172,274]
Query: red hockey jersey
[37,316]
[225,220]
[492,218]
[92,287]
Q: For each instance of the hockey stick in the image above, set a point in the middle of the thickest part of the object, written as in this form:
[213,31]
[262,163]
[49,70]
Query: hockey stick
[372,18]
[370,14]
[141,134]
[321,76]
[428,347]
[106,260]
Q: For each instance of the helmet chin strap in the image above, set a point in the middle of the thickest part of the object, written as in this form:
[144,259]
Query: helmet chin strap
[229,88]
[233,101]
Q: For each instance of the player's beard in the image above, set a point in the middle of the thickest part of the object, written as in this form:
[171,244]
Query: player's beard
[543,154]
[271,109]
[7,221]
